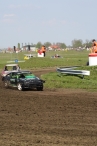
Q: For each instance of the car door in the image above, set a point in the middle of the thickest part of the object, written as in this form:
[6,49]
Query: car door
[13,78]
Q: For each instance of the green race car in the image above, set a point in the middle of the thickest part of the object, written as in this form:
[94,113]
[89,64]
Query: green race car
[22,80]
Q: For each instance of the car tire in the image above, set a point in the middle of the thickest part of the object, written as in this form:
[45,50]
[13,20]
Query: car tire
[6,84]
[39,88]
[2,78]
[20,87]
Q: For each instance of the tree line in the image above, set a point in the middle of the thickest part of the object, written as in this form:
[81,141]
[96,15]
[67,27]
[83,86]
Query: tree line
[76,43]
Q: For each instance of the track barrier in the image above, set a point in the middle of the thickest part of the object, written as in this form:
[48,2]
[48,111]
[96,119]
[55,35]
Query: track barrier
[70,70]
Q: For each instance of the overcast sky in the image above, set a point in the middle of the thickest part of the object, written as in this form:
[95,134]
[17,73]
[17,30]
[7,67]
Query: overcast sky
[32,21]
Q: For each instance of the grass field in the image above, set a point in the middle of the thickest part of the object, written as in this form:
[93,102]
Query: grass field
[68,58]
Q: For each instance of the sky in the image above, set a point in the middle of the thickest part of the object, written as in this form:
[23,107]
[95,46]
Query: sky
[33,21]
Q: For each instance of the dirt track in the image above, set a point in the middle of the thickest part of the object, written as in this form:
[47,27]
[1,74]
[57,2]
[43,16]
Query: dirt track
[60,117]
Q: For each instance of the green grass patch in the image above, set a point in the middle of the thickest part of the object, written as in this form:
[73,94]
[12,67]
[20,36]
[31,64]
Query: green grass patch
[68,58]
[55,80]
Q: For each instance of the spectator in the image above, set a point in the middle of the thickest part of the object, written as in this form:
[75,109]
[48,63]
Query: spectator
[94,46]
[43,50]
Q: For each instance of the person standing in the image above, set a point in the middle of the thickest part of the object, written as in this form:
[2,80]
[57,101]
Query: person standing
[94,46]
[43,50]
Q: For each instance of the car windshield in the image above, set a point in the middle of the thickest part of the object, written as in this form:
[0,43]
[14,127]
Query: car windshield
[10,67]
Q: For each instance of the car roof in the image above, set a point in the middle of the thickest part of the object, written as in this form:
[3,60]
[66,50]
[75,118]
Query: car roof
[11,64]
[24,71]
[19,72]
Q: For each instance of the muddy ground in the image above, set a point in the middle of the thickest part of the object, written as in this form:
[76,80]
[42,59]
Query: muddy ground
[59,117]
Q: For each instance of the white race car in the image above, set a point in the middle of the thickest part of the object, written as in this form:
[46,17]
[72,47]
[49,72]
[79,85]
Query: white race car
[9,68]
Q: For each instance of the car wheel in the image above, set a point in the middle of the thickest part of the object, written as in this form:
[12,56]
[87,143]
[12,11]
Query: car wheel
[39,88]
[2,78]
[19,86]
[6,84]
